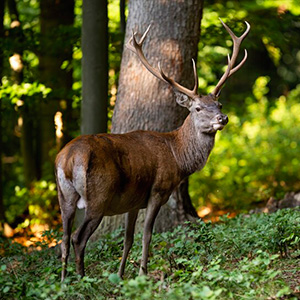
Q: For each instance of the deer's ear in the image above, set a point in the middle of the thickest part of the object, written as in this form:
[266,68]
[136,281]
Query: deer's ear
[183,100]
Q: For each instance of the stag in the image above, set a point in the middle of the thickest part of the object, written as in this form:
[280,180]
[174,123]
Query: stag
[110,174]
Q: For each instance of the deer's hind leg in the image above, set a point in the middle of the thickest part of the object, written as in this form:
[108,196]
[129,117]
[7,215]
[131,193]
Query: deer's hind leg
[67,198]
[80,238]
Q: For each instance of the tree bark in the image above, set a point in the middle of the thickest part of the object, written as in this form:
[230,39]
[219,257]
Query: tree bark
[94,67]
[27,145]
[2,212]
[54,50]
[94,72]
[144,102]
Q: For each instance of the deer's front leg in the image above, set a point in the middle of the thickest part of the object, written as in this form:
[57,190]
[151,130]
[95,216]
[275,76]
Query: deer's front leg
[130,220]
[151,213]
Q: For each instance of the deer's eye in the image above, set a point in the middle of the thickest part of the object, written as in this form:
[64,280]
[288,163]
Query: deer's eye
[198,109]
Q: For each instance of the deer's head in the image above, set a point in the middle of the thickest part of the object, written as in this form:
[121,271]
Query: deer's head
[205,110]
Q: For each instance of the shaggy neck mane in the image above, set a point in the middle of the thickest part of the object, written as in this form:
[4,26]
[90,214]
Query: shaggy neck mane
[190,147]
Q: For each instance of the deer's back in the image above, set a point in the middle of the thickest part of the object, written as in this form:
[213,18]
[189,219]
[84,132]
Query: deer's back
[120,170]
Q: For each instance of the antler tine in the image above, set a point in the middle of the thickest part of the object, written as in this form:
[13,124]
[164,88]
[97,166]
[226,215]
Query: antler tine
[217,89]
[236,47]
[195,89]
[145,34]
[191,93]
[232,71]
[128,44]
[136,47]
[140,43]
[236,41]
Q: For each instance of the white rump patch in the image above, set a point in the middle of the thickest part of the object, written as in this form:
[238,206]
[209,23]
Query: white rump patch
[81,203]
[70,188]
[65,184]
[79,180]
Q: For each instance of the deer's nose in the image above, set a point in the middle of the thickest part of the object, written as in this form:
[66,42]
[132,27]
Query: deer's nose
[222,119]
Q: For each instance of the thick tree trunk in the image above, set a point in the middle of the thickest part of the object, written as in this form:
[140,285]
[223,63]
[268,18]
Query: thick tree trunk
[143,101]
[53,52]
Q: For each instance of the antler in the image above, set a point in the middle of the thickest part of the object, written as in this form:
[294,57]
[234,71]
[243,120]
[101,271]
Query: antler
[136,47]
[236,47]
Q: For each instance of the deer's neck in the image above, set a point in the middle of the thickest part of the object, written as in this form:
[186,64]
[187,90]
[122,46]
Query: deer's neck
[191,147]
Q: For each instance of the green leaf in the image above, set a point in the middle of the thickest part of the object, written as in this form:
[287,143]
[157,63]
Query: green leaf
[114,278]
[206,292]
[3,268]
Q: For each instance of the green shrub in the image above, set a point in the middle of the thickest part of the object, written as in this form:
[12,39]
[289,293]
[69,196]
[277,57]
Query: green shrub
[254,158]
[40,201]
[237,258]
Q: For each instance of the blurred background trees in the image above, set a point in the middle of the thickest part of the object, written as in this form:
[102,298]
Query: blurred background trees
[255,157]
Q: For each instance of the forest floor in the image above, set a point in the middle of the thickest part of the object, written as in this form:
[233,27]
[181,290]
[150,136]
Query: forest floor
[252,256]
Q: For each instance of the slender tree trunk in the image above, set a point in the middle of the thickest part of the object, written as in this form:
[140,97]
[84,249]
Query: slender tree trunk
[94,67]
[27,145]
[12,7]
[16,62]
[94,72]
[122,21]
[2,212]
[122,16]
[54,15]
[143,101]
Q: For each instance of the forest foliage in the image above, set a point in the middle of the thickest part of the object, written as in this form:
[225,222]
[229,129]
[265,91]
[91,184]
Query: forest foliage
[254,158]
[248,257]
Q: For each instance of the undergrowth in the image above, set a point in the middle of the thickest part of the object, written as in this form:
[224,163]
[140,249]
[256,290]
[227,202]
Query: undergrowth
[248,257]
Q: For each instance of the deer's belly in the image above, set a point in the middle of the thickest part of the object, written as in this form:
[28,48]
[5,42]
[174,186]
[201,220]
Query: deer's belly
[122,203]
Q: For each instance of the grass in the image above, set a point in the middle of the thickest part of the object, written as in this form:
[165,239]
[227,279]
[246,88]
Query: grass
[247,257]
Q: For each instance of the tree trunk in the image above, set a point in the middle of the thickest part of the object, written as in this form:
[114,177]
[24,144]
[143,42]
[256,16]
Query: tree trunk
[16,63]
[143,101]
[122,16]
[2,213]
[55,14]
[94,67]
[94,72]
[27,145]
